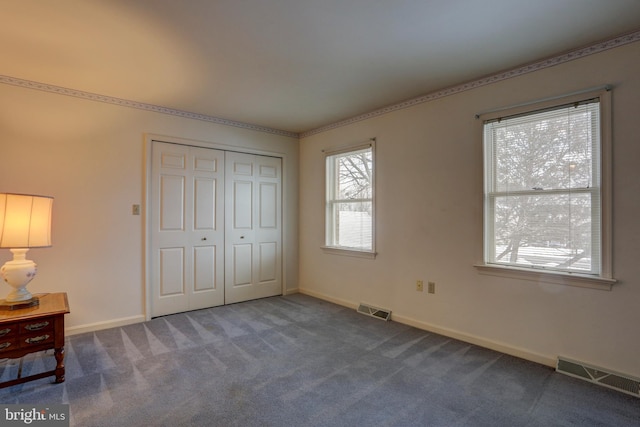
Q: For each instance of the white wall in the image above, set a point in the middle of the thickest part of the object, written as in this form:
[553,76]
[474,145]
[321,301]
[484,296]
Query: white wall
[90,156]
[429,225]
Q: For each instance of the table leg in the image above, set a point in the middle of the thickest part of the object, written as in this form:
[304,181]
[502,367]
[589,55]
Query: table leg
[59,354]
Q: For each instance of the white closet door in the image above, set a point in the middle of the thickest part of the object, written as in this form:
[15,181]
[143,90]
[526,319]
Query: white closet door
[187,228]
[253,207]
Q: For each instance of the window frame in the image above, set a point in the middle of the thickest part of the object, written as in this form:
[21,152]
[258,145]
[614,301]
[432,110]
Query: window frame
[604,279]
[330,201]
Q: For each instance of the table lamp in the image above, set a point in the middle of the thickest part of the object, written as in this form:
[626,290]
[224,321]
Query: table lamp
[25,222]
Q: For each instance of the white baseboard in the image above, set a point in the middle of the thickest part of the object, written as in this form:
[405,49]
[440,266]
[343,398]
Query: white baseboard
[479,341]
[451,333]
[92,327]
[325,297]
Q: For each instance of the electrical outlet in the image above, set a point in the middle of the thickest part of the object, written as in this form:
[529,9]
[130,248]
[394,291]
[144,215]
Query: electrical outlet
[419,285]
[431,287]
[135,209]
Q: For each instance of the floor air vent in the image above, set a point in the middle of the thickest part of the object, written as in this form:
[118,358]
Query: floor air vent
[613,380]
[379,313]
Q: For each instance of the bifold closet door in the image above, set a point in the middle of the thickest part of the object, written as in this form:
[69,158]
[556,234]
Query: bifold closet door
[187,228]
[253,227]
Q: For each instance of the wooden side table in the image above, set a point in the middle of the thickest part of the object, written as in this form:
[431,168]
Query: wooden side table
[38,328]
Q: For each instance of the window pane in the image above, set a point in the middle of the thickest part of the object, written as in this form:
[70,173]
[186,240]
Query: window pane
[353,225]
[547,230]
[354,175]
[550,150]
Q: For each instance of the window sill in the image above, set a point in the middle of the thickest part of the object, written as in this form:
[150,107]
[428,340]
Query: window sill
[557,278]
[333,250]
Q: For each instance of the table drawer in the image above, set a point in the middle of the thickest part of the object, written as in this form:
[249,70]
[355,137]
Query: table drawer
[39,325]
[8,344]
[33,340]
[8,331]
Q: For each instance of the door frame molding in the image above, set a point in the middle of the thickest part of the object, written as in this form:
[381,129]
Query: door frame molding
[146,198]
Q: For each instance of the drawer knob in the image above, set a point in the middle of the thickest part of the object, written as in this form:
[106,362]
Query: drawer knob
[37,326]
[36,340]
[4,331]
[4,345]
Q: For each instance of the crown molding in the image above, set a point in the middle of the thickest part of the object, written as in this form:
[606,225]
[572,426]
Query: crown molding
[44,87]
[515,72]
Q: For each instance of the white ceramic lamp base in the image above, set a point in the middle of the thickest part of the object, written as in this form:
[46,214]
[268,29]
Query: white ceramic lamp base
[18,273]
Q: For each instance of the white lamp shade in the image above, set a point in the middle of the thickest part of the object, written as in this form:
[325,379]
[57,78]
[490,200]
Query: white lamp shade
[25,221]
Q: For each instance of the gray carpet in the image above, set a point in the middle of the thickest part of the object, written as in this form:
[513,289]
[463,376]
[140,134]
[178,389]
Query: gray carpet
[300,361]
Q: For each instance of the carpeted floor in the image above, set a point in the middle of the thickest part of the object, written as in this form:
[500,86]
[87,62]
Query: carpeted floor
[300,361]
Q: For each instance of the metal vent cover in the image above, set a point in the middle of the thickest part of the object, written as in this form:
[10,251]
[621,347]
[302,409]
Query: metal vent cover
[377,312]
[604,377]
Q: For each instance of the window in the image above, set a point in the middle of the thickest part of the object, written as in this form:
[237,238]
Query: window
[350,200]
[544,194]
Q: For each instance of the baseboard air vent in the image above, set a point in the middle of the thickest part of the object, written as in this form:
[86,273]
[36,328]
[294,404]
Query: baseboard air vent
[600,376]
[379,313]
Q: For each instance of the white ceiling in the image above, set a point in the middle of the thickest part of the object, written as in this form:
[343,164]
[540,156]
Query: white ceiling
[293,65]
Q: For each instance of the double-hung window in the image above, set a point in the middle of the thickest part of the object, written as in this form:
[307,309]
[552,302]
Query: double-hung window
[349,216]
[545,193]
